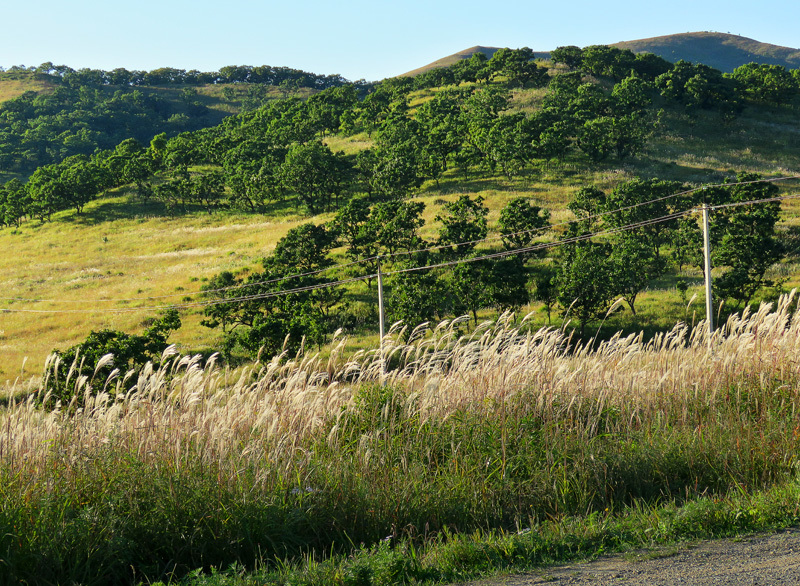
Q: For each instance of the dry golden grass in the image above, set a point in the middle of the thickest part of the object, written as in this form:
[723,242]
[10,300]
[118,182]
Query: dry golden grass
[84,268]
[265,413]
[13,88]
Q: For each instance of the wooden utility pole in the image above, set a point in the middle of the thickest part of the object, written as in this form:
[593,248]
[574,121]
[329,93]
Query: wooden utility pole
[707,270]
[381,318]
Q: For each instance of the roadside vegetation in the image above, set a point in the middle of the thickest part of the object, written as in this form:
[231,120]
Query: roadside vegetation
[506,448]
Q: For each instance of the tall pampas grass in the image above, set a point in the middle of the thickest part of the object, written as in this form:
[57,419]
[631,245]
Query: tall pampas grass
[436,429]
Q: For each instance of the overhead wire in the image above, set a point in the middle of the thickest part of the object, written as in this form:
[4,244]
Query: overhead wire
[591,217]
[501,254]
[185,294]
[270,294]
[211,302]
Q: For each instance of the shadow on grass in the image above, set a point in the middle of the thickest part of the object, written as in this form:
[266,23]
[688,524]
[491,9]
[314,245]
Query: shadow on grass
[127,207]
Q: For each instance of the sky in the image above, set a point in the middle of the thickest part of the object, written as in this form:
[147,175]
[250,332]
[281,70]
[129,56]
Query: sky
[358,39]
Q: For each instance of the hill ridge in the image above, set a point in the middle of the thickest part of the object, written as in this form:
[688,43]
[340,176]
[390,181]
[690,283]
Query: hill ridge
[724,51]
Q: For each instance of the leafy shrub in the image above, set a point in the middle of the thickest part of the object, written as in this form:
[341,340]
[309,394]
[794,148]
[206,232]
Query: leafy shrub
[103,355]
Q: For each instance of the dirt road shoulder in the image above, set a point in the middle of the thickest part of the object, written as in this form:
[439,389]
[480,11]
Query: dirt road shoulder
[772,560]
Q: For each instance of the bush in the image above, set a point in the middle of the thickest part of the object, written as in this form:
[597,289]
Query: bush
[102,356]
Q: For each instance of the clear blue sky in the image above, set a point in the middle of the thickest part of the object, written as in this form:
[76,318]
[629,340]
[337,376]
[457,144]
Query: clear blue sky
[358,38]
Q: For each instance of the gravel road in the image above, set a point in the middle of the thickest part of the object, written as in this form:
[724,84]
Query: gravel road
[763,560]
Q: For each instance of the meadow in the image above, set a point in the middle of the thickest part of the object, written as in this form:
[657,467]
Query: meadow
[122,249]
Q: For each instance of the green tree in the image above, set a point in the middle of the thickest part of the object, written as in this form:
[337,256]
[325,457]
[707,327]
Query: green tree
[633,266]
[416,297]
[510,145]
[585,281]
[474,69]
[606,61]
[521,223]
[14,202]
[507,283]
[444,129]
[463,224]
[748,246]
[624,136]
[518,67]
[315,173]
[282,307]
[395,225]
[632,94]
[468,288]
[569,55]
[328,106]
[129,351]
[546,287]
[768,83]
[397,167]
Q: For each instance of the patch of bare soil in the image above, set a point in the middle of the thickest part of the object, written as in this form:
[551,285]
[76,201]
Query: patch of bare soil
[762,560]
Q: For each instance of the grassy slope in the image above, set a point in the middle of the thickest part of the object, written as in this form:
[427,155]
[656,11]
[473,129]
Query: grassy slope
[12,86]
[116,250]
[720,50]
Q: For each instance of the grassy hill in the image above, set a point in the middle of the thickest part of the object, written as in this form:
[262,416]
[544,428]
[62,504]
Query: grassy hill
[451,59]
[120,255]
[720,50]
[122,259]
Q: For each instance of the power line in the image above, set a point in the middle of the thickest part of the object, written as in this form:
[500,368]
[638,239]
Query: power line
[546,245]
[591,217]
[209,303]
[582,237]
[269,294]
[530,248]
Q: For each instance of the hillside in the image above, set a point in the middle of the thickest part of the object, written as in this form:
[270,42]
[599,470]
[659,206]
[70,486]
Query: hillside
[723,51]
[142,227]
[223,403]
[451,59]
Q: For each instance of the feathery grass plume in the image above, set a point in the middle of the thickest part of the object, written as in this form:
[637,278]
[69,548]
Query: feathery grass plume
[193,464]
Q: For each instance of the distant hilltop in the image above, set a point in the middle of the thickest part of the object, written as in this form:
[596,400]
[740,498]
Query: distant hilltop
[722,51]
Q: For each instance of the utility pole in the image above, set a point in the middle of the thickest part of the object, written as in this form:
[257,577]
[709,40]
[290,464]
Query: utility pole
[707,270]
[381,317]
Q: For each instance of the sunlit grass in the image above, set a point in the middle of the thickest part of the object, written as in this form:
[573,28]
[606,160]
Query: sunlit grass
[119,249]
[192,465]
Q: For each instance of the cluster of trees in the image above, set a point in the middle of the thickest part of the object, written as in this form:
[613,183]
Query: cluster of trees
[593,272]
[516,67]
[255,312]
[164,76]
[696,86]
[39,129]
[278,150]
[77,180]
[767,83]
[581,277]
[293,301]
